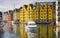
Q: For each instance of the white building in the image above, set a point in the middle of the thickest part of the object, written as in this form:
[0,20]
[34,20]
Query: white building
[57,18]
[5,16]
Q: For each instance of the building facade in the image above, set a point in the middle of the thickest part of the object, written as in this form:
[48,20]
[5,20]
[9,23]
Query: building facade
[57,18]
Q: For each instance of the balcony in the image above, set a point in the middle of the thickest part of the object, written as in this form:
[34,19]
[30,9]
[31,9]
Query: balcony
[58,4]
[58,9]
[58,19]
[58,13]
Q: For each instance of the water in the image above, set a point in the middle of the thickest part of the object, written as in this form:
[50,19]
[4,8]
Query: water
[9,35]
[6,34]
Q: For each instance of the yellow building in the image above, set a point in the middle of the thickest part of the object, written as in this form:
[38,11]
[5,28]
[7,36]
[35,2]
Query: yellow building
[43,18]
[39,12]
[43,13]
[17,14]
[50,12]
[30,11]
[23,18]
[36,11]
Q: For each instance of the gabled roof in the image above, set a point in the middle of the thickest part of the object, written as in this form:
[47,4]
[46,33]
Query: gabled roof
[20,8]
[6,12]
[25,6]
[31,5]
[11,11]
[17,10]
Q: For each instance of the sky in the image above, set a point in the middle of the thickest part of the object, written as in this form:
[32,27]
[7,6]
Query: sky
[6,5]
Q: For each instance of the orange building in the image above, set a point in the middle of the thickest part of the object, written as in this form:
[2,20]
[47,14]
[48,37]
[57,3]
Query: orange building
[10,18]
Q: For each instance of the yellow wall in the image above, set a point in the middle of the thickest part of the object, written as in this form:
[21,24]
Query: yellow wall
[35,15]
[18,16]
[30,11]
[43,14]
[50,13]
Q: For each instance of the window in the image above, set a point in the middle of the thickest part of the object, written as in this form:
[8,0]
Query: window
[58,3]
[58,9]
[44,16]
[50,5]
[29,8]
[58,13]
[41,13]
[41,16]
[59,19]
[23,11]
[59,33]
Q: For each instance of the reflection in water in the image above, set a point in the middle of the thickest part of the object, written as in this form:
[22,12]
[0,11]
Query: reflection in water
[1,33]
[43,31]
[46,30]
[6,34]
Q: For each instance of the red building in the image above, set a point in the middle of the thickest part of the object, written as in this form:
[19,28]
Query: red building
[10,18]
